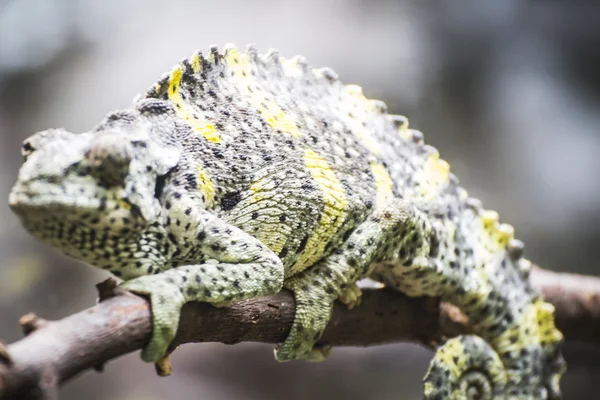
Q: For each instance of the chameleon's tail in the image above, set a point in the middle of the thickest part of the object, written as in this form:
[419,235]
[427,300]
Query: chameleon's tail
[465,367]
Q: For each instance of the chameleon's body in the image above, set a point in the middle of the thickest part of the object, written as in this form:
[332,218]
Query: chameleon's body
[239,174]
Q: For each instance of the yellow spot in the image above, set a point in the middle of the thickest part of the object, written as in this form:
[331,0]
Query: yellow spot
[271,112]
[196,63]
[206,187]
[256,189]
[505,234]
[199,124]
[383,184]
[545,320]
[124,204]
[535,327]
[489,217]
[361,110]
[453,350]
[334,210]
[499,234]
[435,175]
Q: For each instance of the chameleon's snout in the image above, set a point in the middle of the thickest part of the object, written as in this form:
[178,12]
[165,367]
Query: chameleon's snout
[49,169]
[27,199]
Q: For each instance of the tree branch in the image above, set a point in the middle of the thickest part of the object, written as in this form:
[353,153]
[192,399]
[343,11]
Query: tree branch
[55,351]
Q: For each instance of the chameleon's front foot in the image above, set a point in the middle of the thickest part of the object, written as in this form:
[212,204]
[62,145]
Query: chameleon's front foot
[166,301]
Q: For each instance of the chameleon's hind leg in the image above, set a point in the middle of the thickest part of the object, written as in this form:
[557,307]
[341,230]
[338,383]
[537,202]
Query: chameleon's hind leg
[380,237]
[467,366]
[464,367]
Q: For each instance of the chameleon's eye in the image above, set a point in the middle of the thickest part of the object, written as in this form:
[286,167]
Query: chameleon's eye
[26,149]
[109,161]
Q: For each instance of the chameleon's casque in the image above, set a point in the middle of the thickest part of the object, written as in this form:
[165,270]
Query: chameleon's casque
[238,174]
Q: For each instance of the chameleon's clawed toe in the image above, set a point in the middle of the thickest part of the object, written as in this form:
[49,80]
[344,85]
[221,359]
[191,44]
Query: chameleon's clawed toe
[163,367]
[352,296]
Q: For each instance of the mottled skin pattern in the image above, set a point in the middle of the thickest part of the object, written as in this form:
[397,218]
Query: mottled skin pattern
[239,174]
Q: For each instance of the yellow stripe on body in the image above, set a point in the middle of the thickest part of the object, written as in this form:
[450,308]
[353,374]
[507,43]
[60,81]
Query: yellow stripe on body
[274,235]
[383,184]
[335,209]
[270,111]
[206,187]
[200,125]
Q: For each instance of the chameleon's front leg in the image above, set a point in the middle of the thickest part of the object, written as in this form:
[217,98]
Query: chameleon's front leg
[239,267]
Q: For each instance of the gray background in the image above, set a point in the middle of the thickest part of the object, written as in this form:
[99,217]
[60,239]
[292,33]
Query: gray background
[508,91]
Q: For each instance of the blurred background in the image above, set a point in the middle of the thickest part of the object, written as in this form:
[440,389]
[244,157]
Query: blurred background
[508,91]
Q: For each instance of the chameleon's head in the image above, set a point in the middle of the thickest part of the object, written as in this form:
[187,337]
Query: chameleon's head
[99,183]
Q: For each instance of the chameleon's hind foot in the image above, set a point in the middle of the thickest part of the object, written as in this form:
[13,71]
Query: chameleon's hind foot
[314,304]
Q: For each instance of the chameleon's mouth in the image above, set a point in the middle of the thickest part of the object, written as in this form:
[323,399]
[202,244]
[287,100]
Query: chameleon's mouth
[26,200]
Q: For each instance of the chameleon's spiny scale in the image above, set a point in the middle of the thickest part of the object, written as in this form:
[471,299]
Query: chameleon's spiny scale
[238,174]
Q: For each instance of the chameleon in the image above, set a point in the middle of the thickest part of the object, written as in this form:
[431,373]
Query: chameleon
[239,174]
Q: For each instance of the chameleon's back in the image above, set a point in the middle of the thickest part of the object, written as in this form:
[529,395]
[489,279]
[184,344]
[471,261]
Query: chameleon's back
[262,122]
[276,138]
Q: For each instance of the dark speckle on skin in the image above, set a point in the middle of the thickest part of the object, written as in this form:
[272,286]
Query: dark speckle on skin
[230,200]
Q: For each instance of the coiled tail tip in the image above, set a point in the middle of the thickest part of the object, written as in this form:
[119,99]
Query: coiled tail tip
[465,367]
